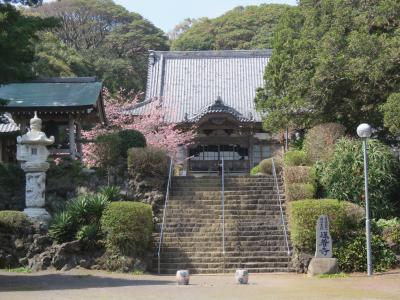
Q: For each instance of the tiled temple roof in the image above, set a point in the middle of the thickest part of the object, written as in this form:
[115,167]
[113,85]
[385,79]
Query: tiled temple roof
[189,82]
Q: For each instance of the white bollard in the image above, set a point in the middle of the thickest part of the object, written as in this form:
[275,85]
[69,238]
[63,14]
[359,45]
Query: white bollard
[182,277]
[242,276]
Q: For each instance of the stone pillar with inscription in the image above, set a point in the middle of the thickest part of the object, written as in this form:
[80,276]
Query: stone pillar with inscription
[323,263]
[32,153]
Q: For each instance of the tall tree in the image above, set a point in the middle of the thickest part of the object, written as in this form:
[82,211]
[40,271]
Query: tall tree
[113,41]
[248,27]
[333,60]
[18,35]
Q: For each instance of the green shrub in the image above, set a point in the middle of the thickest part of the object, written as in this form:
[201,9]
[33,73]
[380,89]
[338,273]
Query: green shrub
[131,139]
[147,162]
[319,142]
[62,228]
[12,179]
[389,230]
[344,218]
[342,176]
[112,193]
[299,174]
[88,233]
[13,221]
[108,149]
[266,165]
[352,254]
[128,227]
[294,158]
[299,191]
[88,208]
[84,210]
[255,170]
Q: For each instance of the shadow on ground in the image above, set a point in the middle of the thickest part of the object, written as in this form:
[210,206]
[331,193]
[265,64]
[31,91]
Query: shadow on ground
[68,282]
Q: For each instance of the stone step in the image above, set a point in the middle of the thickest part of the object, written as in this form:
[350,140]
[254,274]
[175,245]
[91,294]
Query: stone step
[229,230]
[281,258]
[229,245]
[270,251]
[228,265]
[220,270]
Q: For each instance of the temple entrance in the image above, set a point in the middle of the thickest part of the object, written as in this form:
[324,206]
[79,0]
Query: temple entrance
[205,158]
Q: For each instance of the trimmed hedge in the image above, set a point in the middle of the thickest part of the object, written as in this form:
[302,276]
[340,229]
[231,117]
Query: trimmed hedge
[299,191]
[344,218]
[131,139]
[295,158]
[13,221]
[147,162]
[128,227]
[266,165]
[255,170]
[300,174]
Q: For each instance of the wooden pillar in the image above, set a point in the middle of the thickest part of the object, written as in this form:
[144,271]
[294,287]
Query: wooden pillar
[251,153]
[72,143]
[79,138]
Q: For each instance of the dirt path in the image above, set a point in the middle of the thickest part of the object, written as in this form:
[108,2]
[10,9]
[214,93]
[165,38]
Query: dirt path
[83,284]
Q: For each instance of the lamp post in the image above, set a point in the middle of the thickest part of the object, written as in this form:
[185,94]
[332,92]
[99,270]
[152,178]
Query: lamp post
[364,132]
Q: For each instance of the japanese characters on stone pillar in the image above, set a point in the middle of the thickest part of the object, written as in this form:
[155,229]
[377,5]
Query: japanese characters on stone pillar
[323,248]
[32,152]
[323,263]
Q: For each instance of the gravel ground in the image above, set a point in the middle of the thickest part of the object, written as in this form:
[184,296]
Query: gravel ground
[83,284]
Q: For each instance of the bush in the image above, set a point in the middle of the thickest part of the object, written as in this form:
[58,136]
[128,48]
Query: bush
[299,175]
[87,208]
[112,193]
[344,218]
[128,227]
[255,170]
[12,179]
[88,233]
[389,230]
[299,191]
[294,158]
[13,221]
[352,254]
[108,149]
[319,142]
[147,162]
[342,176]
[266,165]
[62,227]
[131,139]
[81,211]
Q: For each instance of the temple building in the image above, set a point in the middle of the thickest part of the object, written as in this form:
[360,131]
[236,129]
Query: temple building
[64,104]
[215,91]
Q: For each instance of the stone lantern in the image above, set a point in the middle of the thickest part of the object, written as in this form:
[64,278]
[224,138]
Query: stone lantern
[33,154]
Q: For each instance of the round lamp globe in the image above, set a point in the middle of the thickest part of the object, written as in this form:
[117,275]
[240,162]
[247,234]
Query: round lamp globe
[364,131]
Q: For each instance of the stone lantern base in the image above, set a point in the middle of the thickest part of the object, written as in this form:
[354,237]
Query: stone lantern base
[38,214]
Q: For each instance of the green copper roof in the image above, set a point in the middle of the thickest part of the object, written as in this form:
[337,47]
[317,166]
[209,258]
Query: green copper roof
[50,94]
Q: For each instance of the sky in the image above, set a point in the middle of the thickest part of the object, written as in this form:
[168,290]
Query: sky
[165,14]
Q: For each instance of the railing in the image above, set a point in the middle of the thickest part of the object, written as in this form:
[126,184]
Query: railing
[223,209]
[164,214]
[280,206]
[223,203]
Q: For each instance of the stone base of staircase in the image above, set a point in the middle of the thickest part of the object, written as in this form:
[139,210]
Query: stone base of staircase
[254,236]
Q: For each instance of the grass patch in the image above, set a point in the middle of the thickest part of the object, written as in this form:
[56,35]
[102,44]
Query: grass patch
[18,270]
[331,276]
[137,272]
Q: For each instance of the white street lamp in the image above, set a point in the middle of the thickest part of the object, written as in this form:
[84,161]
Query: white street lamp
[364,131]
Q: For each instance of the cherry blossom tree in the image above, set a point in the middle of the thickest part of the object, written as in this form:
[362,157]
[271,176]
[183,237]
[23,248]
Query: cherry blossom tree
[158,132]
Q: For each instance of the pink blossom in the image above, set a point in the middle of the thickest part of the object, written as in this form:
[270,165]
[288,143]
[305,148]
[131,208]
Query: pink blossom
[158,132]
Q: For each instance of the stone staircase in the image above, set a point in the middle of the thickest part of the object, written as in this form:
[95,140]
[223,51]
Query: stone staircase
[254,237]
